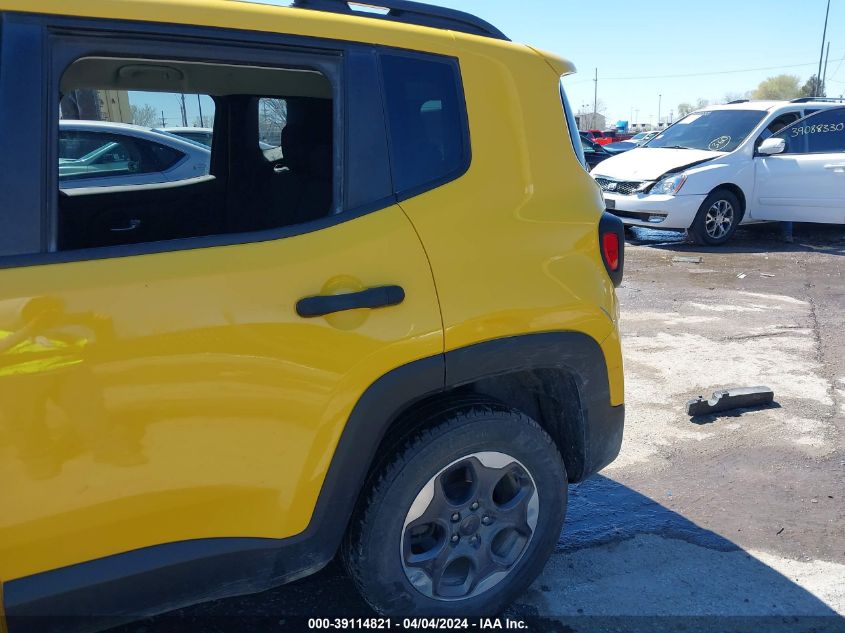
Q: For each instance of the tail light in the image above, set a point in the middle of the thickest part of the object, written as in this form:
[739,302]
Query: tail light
[610,250]
[612,242]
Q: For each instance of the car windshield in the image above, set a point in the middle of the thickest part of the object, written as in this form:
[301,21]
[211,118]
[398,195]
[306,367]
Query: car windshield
[638,136]
[713,130]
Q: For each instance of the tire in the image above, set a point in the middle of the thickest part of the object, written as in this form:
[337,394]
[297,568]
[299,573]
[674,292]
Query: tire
[717,219]
[461,519]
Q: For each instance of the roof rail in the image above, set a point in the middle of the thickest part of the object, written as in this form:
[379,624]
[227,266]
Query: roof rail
[824,99]
[737,101]
[410,13]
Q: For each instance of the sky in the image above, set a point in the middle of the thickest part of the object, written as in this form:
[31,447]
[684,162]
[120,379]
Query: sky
[647,48]
[628,40]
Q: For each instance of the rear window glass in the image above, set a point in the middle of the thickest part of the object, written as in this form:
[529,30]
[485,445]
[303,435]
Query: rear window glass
[426,115]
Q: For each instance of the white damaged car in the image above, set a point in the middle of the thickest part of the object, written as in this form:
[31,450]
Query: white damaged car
[725,165]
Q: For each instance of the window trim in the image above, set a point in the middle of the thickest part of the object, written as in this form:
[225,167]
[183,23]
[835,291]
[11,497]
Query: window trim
[23,200]
[466,137]
[246,47]
[109,40]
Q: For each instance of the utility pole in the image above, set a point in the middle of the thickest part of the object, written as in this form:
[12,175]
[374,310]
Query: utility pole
[184,111]
[659,107]
[199,105]
[163,122]
[821,54]
[596,97]
[824,79]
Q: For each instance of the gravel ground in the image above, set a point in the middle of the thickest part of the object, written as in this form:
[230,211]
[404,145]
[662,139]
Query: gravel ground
[729,522]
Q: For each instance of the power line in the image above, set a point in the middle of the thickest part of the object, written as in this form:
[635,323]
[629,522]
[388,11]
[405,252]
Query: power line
[836,72]
[715,72]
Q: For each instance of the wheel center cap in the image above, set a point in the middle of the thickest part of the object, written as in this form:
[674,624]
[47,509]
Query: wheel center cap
[470,525]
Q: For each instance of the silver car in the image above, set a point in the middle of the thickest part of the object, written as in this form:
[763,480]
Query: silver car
[105,154]
[202,135]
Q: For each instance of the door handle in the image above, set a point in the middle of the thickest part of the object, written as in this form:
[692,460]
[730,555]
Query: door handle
[133,224]
[835,167]
[372,298]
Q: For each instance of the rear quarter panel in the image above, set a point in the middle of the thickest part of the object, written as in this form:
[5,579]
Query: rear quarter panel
[514,242]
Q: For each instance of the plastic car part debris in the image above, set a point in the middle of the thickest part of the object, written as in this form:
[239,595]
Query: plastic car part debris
[685,259]
[734,398]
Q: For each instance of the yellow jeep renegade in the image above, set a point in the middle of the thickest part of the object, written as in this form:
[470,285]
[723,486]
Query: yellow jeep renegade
[375,317]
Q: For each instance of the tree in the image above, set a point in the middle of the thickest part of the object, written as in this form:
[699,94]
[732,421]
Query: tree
[684,109]
[778,87]
[701,103]
[813,88]
[144,115]
[81,104]
[736,96]
[273,116]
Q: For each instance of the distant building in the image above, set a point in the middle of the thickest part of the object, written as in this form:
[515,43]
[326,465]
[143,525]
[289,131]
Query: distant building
[114,106]
[97,105]
[590,121]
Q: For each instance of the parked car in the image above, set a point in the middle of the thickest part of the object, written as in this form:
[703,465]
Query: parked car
[710,172]
[201,135]
[593,134]
[593,152]
[640,138]
[204,136]
[212,386]
[105,154]
[607,137]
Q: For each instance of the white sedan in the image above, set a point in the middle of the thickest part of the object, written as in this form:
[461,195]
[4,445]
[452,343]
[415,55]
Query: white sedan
[105,154]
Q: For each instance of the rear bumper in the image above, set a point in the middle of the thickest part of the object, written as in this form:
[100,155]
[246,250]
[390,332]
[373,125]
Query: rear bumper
[670,212]
[604,425]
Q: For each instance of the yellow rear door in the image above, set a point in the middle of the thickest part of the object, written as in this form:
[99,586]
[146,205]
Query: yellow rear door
[162,386]
[176,396]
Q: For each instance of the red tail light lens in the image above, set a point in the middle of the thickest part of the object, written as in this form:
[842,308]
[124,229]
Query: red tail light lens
[610,247]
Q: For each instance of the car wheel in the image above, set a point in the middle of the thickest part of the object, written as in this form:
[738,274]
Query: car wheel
[717,218]
[462,519]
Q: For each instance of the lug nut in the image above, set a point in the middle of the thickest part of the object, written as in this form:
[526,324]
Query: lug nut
[455,538]
[486,520]
[456,517]
[474,506]
[474,540]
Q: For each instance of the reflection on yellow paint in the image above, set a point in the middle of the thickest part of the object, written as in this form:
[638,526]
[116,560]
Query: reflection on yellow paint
[50,402]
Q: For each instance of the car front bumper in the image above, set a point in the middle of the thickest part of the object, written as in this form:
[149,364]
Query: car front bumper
[657,211]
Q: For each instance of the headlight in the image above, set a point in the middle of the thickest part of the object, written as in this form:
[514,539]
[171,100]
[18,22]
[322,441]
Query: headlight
[669,186]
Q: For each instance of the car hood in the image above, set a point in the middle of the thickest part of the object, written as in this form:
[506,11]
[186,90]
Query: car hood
[650,163]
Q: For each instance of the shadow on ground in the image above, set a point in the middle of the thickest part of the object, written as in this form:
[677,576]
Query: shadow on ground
[603,516]
[754,238]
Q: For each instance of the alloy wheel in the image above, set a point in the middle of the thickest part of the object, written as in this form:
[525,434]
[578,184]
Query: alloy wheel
[719,219]
[469,526]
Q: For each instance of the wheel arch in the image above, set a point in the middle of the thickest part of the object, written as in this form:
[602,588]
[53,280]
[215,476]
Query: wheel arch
[735,190]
